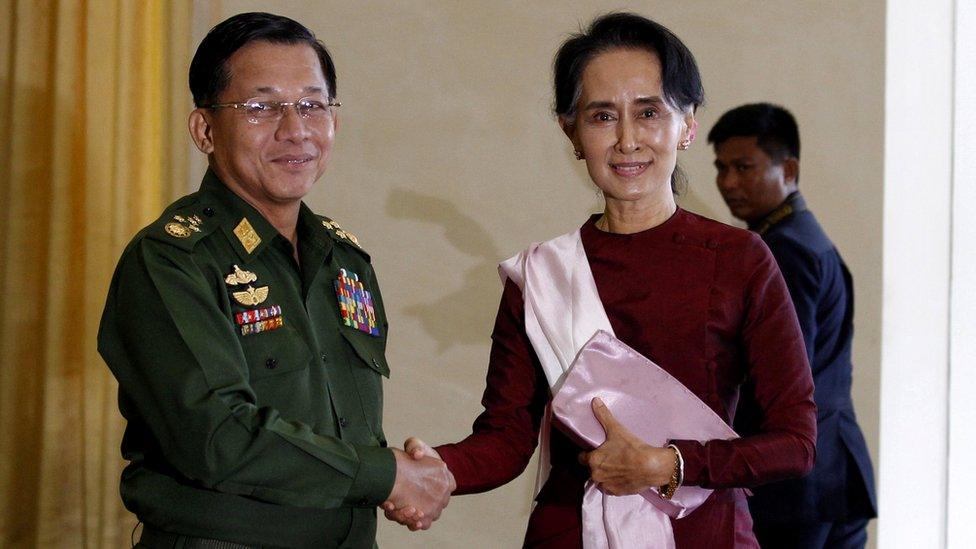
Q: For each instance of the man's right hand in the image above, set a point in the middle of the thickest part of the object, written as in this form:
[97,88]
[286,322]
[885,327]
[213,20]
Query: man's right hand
[421,491]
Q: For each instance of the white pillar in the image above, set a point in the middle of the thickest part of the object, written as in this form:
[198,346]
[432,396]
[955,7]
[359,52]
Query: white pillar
[915,366]
[960,527]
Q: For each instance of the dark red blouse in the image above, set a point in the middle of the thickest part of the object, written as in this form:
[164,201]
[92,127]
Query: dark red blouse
[707,303]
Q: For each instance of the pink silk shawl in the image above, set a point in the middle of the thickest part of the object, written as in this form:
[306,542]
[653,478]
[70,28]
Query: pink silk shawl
[582,359]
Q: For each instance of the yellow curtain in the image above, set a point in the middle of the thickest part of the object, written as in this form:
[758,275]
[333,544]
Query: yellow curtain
[92,95]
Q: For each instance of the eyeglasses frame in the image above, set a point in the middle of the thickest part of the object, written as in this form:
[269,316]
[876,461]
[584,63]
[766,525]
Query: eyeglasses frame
[281,105]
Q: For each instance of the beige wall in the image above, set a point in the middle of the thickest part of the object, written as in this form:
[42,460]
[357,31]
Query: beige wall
[449,161]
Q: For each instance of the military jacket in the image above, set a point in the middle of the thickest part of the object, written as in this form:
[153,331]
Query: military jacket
[251,383]
[841,485]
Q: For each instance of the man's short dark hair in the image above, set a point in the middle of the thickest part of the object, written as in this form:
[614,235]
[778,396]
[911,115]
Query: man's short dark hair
[773,127]
[208,73]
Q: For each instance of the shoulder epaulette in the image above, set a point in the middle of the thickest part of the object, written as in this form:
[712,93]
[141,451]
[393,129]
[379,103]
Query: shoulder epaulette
[339,234]
[184,223]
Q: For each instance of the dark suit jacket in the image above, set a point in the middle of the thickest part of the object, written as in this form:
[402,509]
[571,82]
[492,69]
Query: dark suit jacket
[841,484]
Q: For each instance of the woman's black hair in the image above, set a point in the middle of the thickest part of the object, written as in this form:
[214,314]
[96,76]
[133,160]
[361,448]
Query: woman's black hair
[680,79]
[679,72]
[208,73]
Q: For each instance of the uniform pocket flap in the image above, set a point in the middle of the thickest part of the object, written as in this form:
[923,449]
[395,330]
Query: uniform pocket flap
[369,349]
[274,353]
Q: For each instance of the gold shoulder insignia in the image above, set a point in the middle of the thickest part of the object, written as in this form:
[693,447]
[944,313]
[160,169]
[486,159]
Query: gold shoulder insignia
[182,226]
[177,230]
[247,235]
[341,233]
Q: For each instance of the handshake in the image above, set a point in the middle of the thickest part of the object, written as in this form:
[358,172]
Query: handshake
[423,486]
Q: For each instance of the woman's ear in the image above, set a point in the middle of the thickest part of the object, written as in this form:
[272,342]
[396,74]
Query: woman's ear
[568,126]
[691,127]
[200,131]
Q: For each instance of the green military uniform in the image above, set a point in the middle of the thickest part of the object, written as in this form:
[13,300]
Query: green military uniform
[254,410]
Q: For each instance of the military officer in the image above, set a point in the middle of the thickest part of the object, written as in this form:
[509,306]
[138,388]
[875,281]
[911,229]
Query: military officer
[248,334]
[757,156]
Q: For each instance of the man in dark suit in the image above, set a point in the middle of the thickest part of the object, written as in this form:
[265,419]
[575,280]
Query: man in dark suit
[757,155]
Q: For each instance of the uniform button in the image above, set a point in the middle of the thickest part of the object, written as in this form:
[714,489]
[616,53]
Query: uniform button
[325,358]
[678,238]
[383,443]
[208,211]
[343,423]
[271,363]
[364,502]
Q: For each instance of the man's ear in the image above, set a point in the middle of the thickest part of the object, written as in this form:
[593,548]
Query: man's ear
[201,131]
[791,171]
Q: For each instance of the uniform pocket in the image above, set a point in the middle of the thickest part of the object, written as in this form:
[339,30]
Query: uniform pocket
[369,349]
[275,352]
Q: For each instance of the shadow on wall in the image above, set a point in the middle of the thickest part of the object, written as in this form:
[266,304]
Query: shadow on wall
[457,317]
[690,199]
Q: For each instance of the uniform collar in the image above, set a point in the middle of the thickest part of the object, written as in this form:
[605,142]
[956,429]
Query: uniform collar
[794,203]
[247,230]
[311,230]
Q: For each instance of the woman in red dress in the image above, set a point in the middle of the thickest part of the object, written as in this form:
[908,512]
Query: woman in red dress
[703,300]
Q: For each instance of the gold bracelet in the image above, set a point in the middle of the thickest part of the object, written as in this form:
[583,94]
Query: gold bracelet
[677,475]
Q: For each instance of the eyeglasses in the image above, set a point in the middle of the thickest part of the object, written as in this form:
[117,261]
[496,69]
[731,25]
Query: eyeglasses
[259,112]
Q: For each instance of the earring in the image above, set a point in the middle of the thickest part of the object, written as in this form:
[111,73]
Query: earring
[684,145]
[579,154]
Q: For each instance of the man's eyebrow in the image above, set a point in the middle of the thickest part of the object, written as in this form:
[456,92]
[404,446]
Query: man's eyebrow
[272,89]
[735,160]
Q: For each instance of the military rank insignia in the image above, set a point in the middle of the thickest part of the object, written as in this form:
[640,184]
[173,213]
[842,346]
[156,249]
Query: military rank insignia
[183,226]
[247,235]
[339,232]
[253,321]
[355,303]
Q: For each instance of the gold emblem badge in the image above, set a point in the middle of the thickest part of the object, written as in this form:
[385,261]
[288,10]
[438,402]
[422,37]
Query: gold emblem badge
[251,296]
[240,276]
[183,226]
[177,230]
[247,235]
[191,222]
[341,233]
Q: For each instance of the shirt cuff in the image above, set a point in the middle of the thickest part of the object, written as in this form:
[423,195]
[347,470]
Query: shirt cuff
[374,479]
[452,458]
[693,454]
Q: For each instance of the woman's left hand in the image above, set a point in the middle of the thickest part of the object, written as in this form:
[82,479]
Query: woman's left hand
[624,464]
